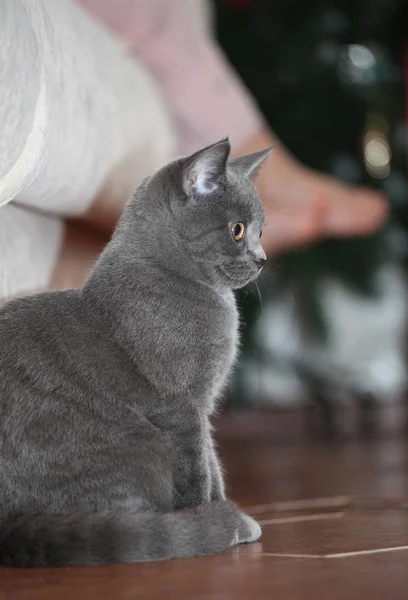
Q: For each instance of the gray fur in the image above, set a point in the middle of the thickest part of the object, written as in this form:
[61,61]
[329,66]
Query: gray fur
[106,452]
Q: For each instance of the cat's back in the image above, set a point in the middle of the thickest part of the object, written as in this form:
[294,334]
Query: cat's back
[32,321]
[35,333]
[55,347]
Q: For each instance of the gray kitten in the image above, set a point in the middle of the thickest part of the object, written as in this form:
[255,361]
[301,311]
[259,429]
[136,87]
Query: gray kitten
[106,452]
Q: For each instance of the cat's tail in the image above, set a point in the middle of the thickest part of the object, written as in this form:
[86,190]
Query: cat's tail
[98,538]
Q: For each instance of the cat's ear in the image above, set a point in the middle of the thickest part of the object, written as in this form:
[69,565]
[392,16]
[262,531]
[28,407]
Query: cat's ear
[250,164]
[204,169]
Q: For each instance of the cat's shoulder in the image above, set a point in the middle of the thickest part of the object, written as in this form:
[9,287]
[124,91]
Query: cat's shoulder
[36,308]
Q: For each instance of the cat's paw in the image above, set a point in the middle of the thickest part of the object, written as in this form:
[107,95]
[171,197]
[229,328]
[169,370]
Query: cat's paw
[248,530]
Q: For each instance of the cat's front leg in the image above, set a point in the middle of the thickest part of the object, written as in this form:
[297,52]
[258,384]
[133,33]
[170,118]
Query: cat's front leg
[188,432]
[216,474]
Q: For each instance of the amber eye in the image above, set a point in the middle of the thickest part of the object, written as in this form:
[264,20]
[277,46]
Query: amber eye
[238,230]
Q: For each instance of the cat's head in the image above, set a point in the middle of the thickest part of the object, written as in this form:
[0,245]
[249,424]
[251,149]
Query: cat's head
[202,213]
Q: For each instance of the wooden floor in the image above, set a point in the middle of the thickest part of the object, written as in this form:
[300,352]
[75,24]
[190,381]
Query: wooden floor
[335,526]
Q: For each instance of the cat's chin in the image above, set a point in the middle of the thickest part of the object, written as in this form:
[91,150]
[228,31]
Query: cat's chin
[255,276]
[235,283]
[250,280]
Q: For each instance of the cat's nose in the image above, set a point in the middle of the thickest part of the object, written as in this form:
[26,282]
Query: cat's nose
[260,262]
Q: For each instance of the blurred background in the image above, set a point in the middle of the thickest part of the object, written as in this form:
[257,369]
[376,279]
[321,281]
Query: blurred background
[328,325]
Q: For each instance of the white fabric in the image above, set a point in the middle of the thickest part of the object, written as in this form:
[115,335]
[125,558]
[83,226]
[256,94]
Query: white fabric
[29,245]
[73,106]
[77,115]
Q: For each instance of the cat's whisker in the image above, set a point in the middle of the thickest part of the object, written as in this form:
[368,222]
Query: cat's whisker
[270,266]
[262,280]
[259,294]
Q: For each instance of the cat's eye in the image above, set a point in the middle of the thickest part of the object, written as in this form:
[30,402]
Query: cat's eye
[260,235]
[238,230]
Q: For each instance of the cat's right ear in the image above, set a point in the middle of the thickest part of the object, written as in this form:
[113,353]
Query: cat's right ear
[204,170]
[250,164]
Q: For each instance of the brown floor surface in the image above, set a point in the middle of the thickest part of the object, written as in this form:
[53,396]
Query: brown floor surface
[335,526]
